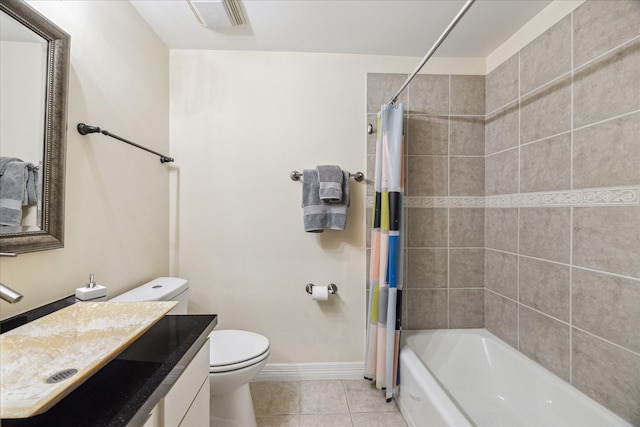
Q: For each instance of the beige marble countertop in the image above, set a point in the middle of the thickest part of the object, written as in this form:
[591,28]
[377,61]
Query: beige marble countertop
[84,336]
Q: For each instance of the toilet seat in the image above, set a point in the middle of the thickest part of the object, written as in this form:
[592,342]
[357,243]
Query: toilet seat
[234,349]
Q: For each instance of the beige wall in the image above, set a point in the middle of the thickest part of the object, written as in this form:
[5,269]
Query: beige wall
[117,198]
[240,123]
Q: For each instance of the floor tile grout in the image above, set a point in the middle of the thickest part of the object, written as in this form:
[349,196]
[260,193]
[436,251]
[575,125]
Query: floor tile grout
[326,403]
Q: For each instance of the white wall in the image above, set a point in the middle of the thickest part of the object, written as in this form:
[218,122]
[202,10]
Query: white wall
[240,123]
[117,197]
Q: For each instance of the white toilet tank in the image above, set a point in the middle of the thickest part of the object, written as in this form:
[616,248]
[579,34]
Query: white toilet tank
[160,289]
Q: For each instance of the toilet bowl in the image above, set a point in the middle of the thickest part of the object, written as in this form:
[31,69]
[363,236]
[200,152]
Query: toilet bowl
[236,356]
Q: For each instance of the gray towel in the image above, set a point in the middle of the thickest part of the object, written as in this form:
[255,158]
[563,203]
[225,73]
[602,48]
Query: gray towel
[330,177]
[18,187]
[318,214]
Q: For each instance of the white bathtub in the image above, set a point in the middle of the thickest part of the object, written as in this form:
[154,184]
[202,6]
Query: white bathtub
[469,377]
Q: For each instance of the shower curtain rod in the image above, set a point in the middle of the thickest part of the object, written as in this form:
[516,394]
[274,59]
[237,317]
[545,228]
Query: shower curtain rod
[87,129]
[433,49]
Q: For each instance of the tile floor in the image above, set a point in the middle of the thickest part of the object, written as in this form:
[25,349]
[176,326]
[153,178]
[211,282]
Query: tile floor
[353,403]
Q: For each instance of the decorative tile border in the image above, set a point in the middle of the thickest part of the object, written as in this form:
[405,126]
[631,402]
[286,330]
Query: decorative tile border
[610,196]
[613,196]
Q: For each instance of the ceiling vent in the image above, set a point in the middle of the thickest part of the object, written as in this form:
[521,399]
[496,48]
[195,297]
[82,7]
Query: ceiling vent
[217,13]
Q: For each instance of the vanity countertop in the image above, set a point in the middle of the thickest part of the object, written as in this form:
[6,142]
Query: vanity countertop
[43,361]
[124,391]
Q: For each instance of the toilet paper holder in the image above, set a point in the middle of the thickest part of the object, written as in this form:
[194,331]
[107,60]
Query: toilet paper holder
[332,288]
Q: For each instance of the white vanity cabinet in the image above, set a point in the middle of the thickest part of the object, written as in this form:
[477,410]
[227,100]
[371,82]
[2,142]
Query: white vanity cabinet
[187,402]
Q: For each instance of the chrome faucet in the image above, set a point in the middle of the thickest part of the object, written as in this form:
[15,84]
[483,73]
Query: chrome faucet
[9,295]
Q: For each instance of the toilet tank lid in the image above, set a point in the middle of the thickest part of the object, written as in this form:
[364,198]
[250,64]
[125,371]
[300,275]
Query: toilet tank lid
[160,289]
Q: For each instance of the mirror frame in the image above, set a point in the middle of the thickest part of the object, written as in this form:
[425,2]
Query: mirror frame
[51,235]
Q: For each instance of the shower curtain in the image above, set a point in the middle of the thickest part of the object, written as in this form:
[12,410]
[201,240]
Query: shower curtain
[387,243]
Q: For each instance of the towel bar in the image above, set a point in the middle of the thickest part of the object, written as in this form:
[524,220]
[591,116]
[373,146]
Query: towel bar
[295,176]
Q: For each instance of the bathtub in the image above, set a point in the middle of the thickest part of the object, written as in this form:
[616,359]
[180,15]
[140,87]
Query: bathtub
[469,377]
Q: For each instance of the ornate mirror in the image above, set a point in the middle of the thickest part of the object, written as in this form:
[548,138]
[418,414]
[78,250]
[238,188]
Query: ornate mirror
[34,70]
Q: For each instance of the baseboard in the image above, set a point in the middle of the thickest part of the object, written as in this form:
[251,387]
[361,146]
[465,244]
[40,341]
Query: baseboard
[310,371]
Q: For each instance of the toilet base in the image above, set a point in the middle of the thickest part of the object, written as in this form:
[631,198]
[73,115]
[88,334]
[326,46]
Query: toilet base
[234,409]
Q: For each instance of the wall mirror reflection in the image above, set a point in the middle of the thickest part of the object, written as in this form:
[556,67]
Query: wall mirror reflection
[34,62]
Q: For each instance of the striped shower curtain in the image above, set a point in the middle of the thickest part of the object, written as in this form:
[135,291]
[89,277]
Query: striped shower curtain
[387,243]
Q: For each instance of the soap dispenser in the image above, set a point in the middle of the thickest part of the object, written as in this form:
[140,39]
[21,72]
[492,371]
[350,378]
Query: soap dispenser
[92,291]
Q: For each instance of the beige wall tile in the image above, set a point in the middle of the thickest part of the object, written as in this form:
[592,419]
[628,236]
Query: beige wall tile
[599,26]
[544,233]
[426,308]
[607,87]
[502,129]
[466,268]
[502,85]
[546,165]
[466,136]
[546,341]
[501,317]
[546,111]
[608,374]
[371,173]
[501,173]
[429,94]
[427,176]
[426,227]
[466,308]
[467,176]
[607,154]
[427,135]
[501,273]
[467,94]
[535,67]
[371,138]
[545,286]
[501,229]
[607,239]
[607,306]
[466,227]
[380,89]
[426,268]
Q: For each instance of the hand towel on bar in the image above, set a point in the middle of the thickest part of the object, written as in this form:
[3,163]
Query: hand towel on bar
[318,215]
[15,189]
[330,177]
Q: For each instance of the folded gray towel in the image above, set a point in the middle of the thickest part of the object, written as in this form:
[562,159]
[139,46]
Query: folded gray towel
[330,177]
[18,187]
[319,215]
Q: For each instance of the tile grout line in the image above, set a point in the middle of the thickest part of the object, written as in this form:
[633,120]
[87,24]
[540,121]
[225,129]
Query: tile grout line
[554,80]
[448,208]
[518,211]
[571,213]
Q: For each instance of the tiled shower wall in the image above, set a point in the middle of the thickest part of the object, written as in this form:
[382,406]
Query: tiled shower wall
[562,177]
[523,200]
[444,189]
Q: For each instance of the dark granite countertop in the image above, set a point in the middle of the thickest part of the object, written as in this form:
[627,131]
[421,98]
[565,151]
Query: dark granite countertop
[124,392]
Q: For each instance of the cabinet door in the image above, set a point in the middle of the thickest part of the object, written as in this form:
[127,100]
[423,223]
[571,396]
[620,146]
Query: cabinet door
[198,413]
[179,399]
[154,419]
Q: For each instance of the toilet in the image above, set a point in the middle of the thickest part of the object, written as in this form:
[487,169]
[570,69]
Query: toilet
[236,356]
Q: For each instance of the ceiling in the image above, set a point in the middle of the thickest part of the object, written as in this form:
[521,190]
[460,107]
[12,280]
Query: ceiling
[376,27]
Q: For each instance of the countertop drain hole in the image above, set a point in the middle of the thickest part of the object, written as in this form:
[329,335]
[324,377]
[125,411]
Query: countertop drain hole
[61,376]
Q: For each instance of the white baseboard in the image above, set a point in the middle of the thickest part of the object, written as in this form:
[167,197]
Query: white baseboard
[311,371]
